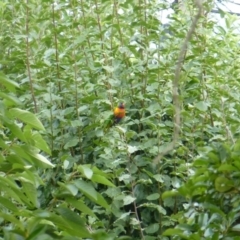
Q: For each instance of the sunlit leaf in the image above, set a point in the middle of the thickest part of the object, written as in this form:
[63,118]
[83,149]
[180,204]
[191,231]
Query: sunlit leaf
[86,170]
[9,84]
[101,179]
[128,199]
[27,117]
[202,106]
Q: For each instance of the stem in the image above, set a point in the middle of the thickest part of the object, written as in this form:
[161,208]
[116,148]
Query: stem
[76,93]
[228,131]
[107,84]
[115,16]
[28,62]
[56,52]
[88,42]
[175,85]
[136,213]
[51,117]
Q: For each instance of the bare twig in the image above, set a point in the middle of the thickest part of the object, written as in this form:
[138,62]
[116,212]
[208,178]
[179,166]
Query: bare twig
[175,85]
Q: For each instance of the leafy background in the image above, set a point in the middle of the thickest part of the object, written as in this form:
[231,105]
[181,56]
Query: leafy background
[65,174]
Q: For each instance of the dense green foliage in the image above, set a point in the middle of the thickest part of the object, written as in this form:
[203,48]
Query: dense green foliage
[65,174]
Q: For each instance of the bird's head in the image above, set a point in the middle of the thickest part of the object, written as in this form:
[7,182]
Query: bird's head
[121,105]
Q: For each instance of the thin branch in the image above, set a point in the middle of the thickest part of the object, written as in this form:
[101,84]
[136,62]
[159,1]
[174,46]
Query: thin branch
[99,24]
[233,2]
[56,52]
[51,117]
[87,58]
[175,85]
[232,13]
[28,62]
[228,131]
[120,32]
[136,213]
[75,70]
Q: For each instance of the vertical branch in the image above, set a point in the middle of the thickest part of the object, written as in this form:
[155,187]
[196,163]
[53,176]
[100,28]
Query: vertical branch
[143,31]
[205,97]
[76,88]
[27,60]
[51,116]
[107,84]
[136,213]
[141,50]
[146,51]
[175,84]
[85,26]
[204,72]
[88,42]
[56,52]
[99,24]
[115,16]
[227,129]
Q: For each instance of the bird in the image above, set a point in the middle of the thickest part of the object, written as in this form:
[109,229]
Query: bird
[119,113]
[115,118]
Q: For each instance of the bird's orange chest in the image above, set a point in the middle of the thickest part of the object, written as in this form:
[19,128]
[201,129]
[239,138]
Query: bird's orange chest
[119,112]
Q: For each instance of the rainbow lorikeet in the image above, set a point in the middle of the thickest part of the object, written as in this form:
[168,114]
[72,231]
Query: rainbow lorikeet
[119,113]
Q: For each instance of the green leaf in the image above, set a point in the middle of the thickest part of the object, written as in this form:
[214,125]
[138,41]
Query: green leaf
[76,123]
[100,179]
[202,106]
[102,202]
[70,222]
[175,232]
[30,191]
[86,171]
[161,209]
[16,131]
[158,178]
[40,143]
[41,159]
[10,100]
[87,189]
[236,147]
[31,155]
[9,84]
[11,219]
[27,117]
[123,216]
[81,206]
[70,216]
[152,228]
[236,228]
[132,149]
[13,192]
[128,199]
[153,196]
[8,204]
[72,188]
[99,172]
[214,209]
[227,168]
[72,143]
[223,184]
[156,206]
[168,194]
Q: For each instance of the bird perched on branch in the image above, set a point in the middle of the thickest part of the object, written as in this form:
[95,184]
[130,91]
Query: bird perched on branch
[119,113]
[116,117]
